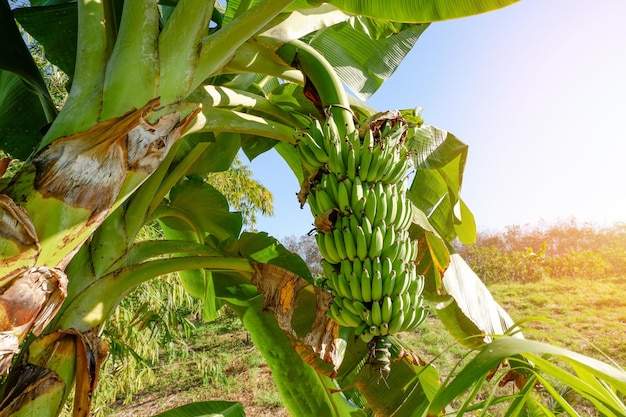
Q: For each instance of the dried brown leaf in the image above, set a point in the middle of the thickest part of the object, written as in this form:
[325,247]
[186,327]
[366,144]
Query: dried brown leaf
[18,240]
[320,347]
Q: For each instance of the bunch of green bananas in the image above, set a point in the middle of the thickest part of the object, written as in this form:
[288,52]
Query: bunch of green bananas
[357,194]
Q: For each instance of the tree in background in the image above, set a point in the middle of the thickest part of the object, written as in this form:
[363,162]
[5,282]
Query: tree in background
[243,192]
[306,247]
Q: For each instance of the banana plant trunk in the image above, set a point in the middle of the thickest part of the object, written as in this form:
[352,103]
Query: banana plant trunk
[54,204]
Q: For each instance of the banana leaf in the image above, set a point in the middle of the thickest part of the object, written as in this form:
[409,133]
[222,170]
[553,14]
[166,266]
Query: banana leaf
[418,11]
[24,98]
[440,159]
[206,409]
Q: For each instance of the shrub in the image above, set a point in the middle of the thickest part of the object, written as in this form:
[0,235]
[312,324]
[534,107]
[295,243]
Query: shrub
[578,263]
[493,265]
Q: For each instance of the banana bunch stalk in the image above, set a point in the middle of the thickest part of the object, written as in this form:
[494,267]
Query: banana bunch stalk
[357,193]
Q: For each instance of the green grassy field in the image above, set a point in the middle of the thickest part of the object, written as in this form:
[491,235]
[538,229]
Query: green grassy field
[588,316]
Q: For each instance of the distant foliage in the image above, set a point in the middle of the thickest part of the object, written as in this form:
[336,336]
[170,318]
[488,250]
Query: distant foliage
[243,192]
[563,249]
[306,247]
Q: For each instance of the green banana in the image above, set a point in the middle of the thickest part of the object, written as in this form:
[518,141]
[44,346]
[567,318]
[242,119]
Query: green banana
[366,154]
[401,286]
[361,330]
[333,313]
[333,282]
[396,323]
[377,286]
[386,266]
[357,192]
[361,309]
[343,198]
[355,144]
[350,244]
[361,243]
[374,165]
[330,184]
[376,245]
[350,319]
[397,306]
[389,283]
[324,201]
[384,329]
[321,244]
[386,308]
[347,304]
[390,235]
[366,285]
[317,134]
[309,162]
[343,288]
[391,251]
[353,224]
[358,209]
[377,314]
[392,204]
[312,200]
[339,244]
[371,201]
[355,287]
[410,316]
[331,250]
[317,149]
[351,163]
[388,160]
[328,268]
[357,266]
[346,267]
[381,203]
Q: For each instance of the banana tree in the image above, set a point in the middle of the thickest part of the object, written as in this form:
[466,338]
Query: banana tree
[164,92]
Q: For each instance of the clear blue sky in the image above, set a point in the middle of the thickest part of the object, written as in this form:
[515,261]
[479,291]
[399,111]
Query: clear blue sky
[538,92]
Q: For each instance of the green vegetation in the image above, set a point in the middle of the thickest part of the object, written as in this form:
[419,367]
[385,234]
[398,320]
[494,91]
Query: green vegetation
[586,314]
[219,361]
[563,249]
[162,94]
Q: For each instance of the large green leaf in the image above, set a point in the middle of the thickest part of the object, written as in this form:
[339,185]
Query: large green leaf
[474,315]
[197,210]
[304,392]
[225,144]
[260,247]
[440,160]
[405,392]
[55,28]
[21,117]
[204,209]
[418,11]
[206,409]
[364,63]
[593,379]
[24,98]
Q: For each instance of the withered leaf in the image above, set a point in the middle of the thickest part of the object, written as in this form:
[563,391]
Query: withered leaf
[19,245]
[320,347]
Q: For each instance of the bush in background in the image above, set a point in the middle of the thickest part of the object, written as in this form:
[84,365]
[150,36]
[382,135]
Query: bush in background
[563,249]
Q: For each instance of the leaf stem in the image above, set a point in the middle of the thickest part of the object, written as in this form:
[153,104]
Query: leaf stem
[323,77]
[82,108]
[90,309]
[219,48]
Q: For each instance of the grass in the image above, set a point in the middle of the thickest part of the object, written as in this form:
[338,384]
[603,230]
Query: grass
[221,363]
[587,316]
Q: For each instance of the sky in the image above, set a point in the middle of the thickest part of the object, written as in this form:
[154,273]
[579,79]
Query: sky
[538,92]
